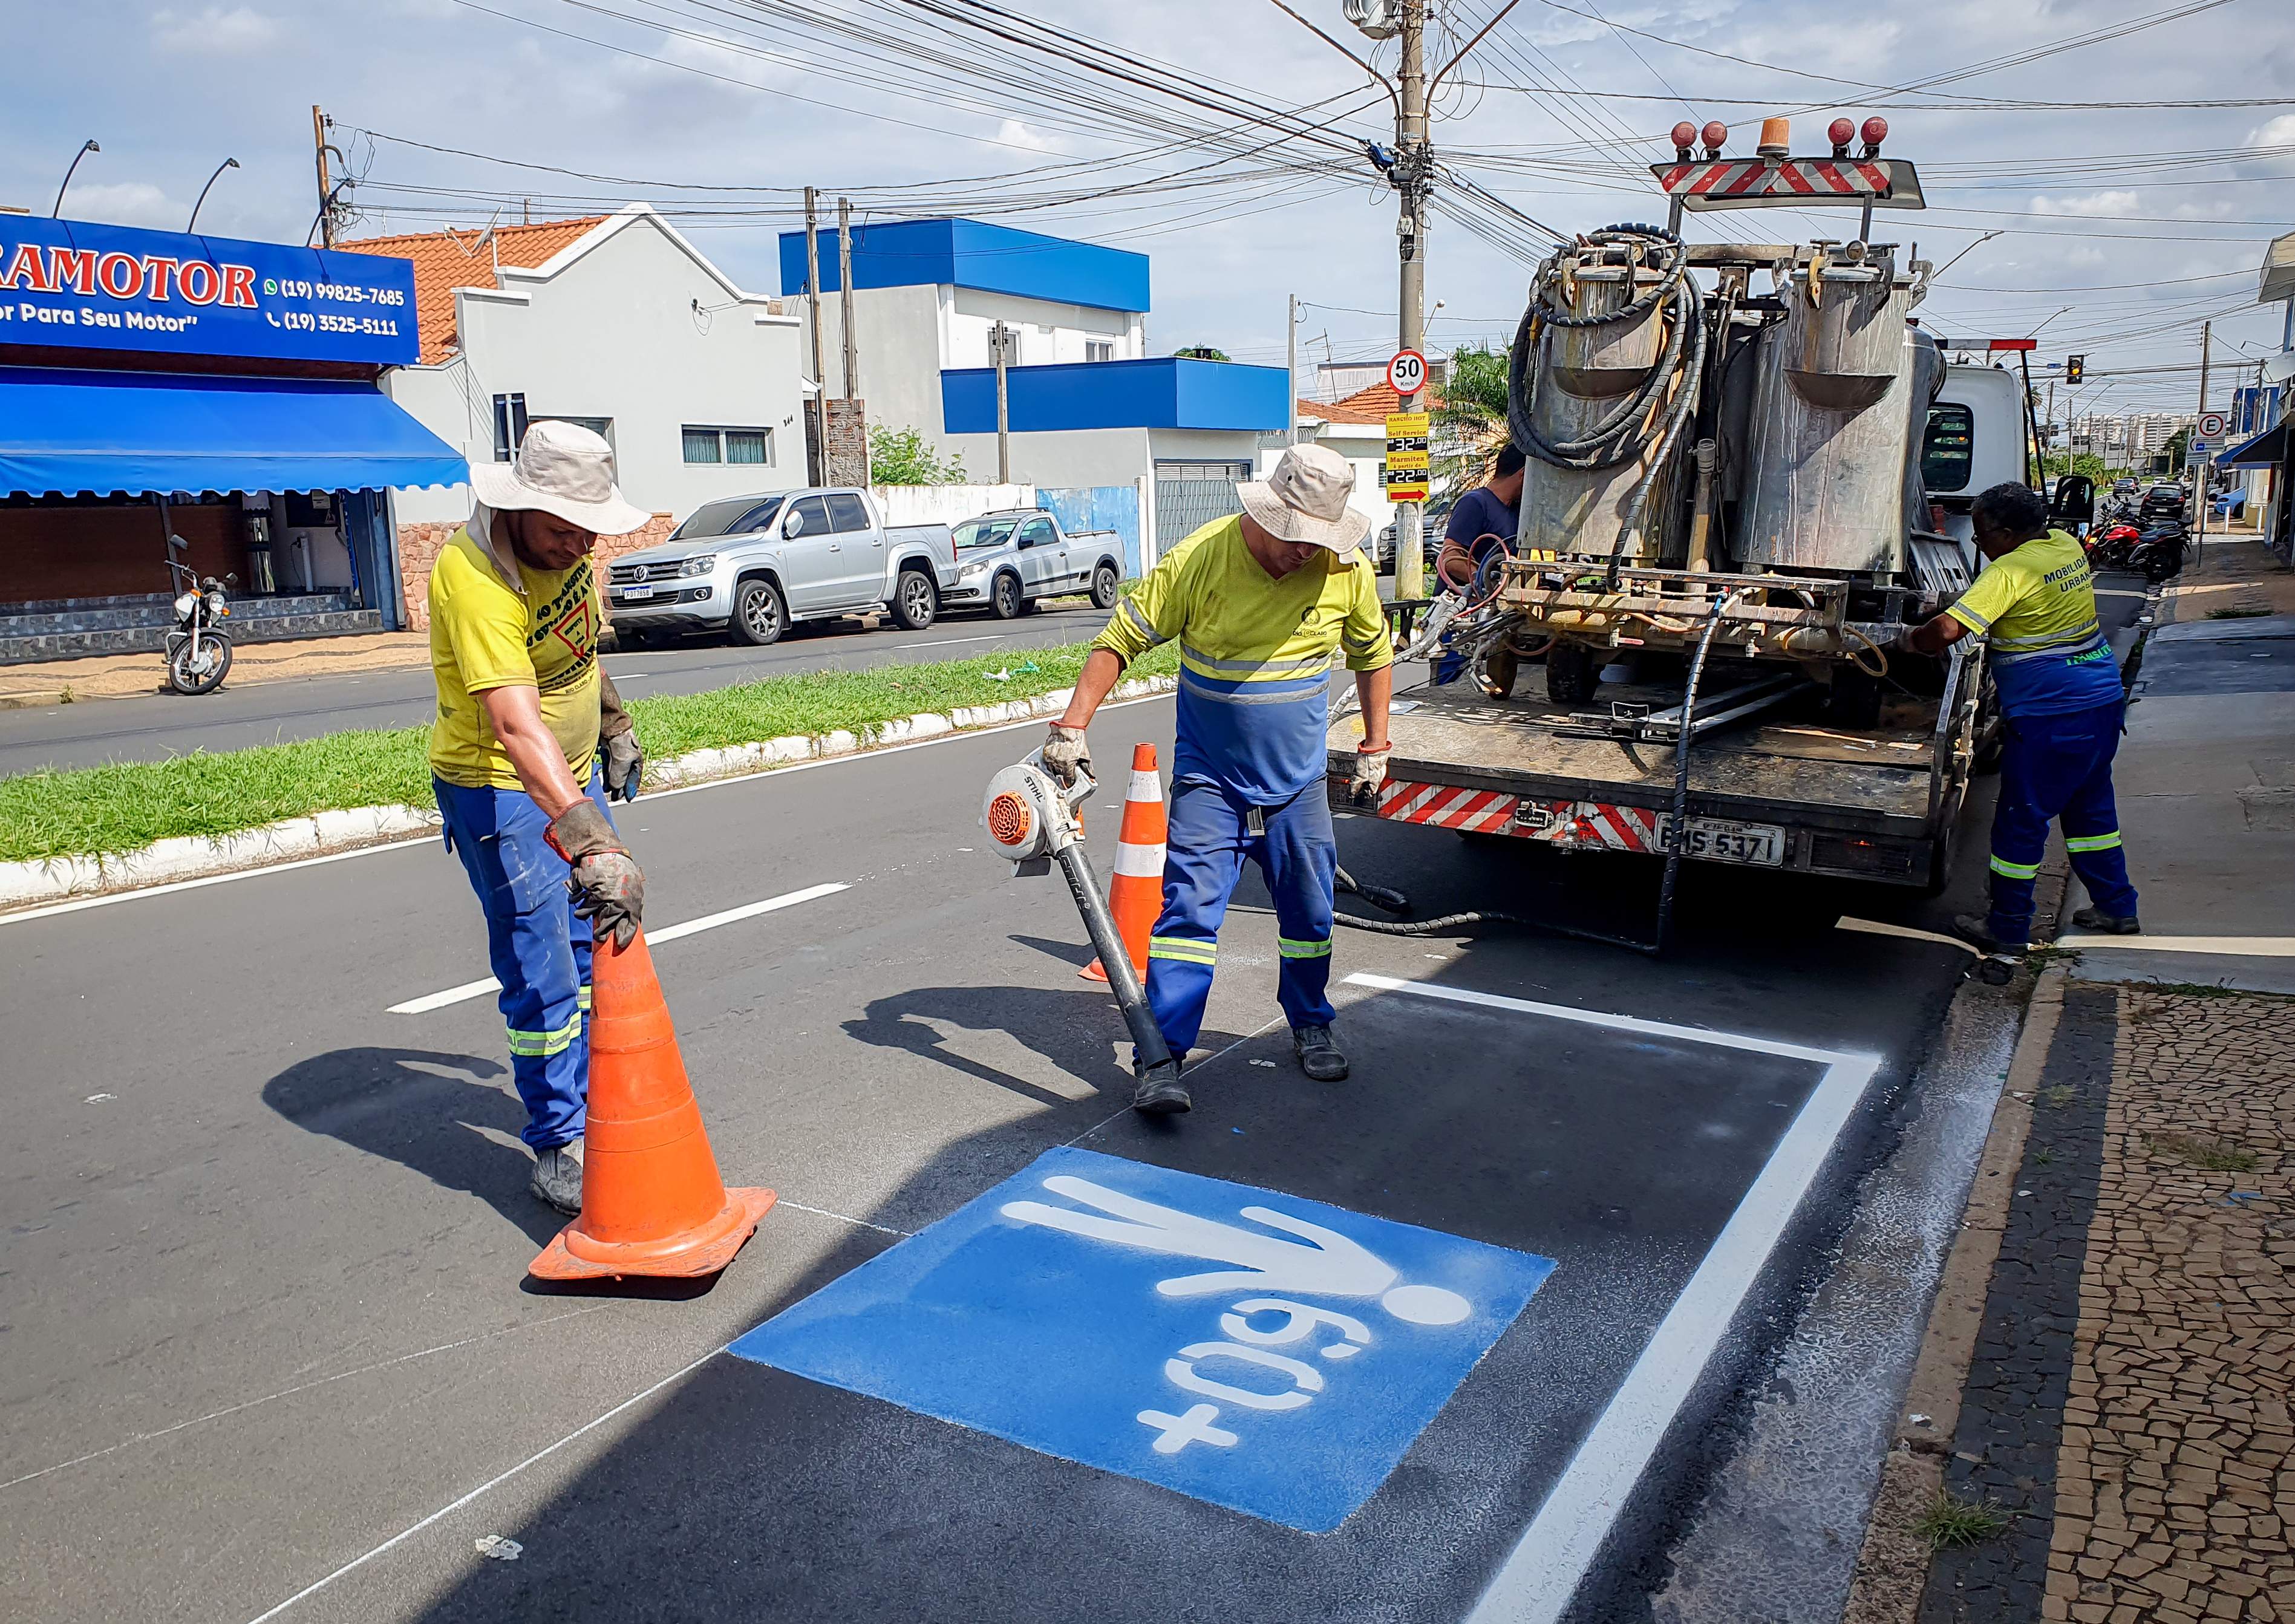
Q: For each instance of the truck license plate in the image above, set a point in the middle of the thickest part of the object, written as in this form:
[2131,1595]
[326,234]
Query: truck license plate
[1719,840]
[630,594]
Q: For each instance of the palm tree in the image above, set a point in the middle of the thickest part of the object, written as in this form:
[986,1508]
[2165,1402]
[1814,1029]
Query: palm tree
[1470,424]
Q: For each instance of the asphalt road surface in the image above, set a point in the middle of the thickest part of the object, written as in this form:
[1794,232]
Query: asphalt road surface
[270,1350]
[237,716]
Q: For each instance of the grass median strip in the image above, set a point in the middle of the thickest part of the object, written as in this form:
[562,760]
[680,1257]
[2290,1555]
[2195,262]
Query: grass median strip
[122,808]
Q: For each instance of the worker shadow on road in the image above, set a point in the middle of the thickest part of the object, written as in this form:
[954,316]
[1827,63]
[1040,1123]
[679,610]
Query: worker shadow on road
[1078,1032]
[434,1113]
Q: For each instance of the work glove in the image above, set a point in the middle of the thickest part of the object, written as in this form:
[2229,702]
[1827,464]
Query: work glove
[618,743]
[1065,755]
[606,886]
[1369,774]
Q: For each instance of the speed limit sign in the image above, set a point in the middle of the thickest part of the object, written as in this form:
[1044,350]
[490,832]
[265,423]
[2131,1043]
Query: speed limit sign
[1406,374]
[2211,425]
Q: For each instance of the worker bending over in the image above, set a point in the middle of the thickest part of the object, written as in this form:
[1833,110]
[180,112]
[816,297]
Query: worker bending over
[529,737]
[1259,603]
[2060,704]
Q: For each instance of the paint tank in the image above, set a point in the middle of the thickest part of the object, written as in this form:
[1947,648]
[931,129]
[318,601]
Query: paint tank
[1839,401]
[1583,372]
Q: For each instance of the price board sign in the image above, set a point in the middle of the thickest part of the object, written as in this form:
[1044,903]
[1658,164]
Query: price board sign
[1406,476]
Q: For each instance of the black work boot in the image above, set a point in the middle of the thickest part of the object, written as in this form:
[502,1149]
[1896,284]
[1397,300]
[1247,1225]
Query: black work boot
[2107,925]
[558,1178]
[1318,1056]
[1976,930]
[1159,1093]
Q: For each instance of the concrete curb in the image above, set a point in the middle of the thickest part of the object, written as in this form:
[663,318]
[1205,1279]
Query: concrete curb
[57,879]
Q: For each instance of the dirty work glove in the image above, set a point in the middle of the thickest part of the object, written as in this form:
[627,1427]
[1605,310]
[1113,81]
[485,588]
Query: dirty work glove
[606,886]
[1369,774]
[624,759]
[1065,755]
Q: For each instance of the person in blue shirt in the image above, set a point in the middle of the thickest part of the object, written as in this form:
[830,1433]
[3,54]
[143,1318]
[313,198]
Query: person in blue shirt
[2060,704]
[1482,523]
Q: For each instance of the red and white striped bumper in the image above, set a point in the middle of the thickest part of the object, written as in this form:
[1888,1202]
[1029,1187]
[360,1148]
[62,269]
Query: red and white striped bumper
[1590,826]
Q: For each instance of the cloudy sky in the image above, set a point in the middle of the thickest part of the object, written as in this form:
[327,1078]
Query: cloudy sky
[2144,220]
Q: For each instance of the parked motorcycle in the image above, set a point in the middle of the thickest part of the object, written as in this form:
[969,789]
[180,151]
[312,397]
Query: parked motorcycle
[198,649]
[2158,552]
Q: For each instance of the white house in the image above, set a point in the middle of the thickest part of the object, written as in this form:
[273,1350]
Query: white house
[617,323]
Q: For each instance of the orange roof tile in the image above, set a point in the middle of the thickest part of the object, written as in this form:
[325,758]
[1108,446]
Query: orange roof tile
[1369,406]
[446,260]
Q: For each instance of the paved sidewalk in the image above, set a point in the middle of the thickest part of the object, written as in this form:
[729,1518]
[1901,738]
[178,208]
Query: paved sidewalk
[119,676]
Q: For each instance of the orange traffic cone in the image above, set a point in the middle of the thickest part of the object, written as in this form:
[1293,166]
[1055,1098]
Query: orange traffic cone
[652,1202]
[1135,891]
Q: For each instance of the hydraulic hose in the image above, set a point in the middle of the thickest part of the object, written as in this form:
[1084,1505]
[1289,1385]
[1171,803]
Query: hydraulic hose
[1624,432]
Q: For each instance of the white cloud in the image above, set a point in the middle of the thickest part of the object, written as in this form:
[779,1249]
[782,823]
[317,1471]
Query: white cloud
[1012,133]
[124,203]
[2095,205]
[215,31]
[2279,133]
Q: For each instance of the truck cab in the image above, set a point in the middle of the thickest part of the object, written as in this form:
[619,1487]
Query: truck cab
[754,566]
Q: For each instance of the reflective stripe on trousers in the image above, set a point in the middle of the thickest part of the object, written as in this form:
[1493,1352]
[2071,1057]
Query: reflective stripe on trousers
[2057,769]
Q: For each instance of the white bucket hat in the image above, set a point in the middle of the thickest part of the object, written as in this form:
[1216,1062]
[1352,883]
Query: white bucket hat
[561,469]
[1305,499]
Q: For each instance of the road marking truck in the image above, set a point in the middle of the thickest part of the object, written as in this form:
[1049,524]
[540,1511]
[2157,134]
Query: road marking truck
[1749,469]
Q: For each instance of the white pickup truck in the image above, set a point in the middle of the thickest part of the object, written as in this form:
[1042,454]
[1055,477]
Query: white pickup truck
[757,564]
[1010,560]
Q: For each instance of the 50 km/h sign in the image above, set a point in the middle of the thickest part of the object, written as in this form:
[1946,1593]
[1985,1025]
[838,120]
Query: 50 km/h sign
[1406,374]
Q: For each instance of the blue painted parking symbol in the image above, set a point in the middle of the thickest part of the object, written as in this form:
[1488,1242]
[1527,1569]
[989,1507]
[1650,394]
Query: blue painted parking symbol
[1266,1354]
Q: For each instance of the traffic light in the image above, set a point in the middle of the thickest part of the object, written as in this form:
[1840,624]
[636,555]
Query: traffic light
[2075,369]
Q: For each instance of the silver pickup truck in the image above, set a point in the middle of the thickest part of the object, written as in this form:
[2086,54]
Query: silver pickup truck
[1009,560]
[757,564]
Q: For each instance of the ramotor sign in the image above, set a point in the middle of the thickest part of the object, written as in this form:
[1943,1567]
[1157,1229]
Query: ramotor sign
[71,285]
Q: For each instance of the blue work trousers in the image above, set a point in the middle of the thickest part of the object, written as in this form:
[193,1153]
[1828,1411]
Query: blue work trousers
[2053,769]
[538,945]
[1211,834]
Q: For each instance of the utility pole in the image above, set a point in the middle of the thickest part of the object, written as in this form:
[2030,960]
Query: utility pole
[845,295]
[1413,162]
[2200,468]
[326,181]
[1003,410]
[816,419]
[1291,367]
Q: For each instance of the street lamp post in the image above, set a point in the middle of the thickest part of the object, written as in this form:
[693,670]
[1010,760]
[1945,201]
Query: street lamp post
[85,147]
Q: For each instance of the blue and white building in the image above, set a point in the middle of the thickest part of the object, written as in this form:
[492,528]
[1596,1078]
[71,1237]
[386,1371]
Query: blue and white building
[1088,406]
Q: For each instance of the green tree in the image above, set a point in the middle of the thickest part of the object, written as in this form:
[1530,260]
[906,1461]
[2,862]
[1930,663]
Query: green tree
[900,456]
[1470,423]
[1200,352]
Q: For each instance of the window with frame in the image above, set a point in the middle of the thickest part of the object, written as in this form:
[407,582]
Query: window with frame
[845,513]
[1099,349]
[602,427]
[744,447]
[509,425]
[1947,447]
[808,517]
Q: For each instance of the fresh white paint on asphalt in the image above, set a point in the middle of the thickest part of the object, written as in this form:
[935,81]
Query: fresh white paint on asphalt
[2236,947]
[77,904]
[1551,1558]
[654,938]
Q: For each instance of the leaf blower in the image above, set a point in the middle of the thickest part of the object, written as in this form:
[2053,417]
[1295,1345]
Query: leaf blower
[1032,821]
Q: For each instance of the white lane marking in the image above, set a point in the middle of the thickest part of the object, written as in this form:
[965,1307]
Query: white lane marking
[1881,927]
[2231,947]
[50,909]
[654,938]
[1549,1562]
[842,1218]
[448,1510]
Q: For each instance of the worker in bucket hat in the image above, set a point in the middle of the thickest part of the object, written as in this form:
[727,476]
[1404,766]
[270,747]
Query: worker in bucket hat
[529,740]
[1261,603]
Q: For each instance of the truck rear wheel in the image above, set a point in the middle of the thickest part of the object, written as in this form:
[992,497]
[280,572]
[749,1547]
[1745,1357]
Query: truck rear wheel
[915,601]
[1571,676]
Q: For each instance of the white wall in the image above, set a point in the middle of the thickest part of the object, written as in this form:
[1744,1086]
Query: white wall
[611,329]
[947,504]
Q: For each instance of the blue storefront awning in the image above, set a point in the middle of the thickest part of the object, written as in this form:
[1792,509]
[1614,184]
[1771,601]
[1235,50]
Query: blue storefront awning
[70,433]
[2261,450]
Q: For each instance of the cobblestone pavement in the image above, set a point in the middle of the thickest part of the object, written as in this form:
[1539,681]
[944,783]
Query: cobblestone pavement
[2127,1407]
[2175,1484]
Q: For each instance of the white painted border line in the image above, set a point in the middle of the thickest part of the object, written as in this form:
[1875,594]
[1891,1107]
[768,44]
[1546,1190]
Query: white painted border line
[1541,1574]
[654,938]
[49,909]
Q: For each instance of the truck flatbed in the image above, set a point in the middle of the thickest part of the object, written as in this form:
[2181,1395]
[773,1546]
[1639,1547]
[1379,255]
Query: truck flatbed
[1775,790]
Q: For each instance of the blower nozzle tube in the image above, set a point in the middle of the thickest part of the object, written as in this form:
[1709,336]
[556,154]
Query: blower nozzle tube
[1123,981]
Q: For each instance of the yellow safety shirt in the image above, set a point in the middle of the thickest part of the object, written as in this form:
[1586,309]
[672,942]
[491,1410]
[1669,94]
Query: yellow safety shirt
[485,632]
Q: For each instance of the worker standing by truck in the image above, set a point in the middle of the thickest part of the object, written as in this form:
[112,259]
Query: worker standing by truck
[529,738]
[1482,523]
[2060,704]
[1259,602]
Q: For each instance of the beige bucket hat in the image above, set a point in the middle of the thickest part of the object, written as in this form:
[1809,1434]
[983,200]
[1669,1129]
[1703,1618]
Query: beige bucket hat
[561,469]
[1305,499]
